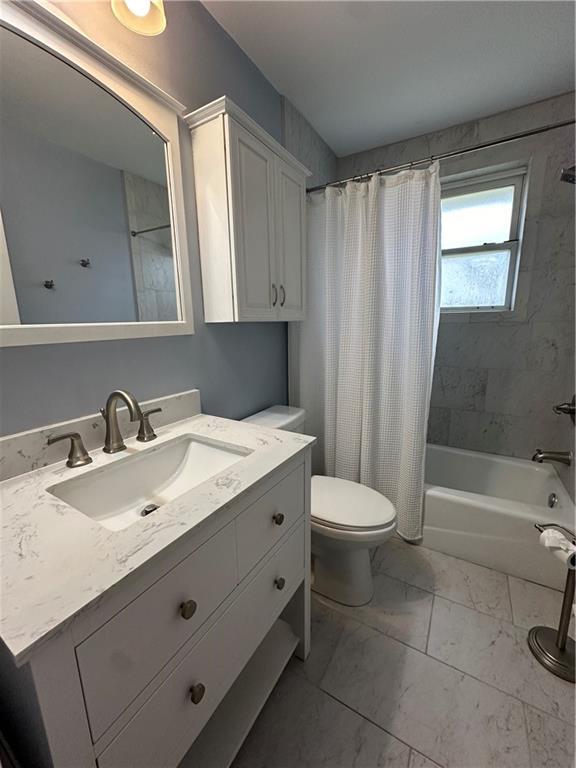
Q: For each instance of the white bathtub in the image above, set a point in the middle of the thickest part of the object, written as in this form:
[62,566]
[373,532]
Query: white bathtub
[482,507]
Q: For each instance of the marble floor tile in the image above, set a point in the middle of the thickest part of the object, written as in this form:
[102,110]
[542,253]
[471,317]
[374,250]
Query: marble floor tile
[472,585]
[457,721]
[326,627]
[302,727]
[397,609]
[497,653]
[533,604]
[419,761]
[550,740]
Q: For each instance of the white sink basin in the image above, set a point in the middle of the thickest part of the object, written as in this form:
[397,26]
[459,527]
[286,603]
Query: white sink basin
[116,495]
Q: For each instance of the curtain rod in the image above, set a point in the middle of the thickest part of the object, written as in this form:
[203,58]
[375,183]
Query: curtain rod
[445,155]
[135,232]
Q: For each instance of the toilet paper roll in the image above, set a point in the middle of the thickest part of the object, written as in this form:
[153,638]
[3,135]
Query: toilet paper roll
[559,546]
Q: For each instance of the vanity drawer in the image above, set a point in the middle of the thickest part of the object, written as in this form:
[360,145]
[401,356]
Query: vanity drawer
[268,519]
[164,728]
[120,658]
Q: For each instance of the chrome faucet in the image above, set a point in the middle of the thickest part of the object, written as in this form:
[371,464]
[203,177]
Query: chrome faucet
[564,457]
[113,441]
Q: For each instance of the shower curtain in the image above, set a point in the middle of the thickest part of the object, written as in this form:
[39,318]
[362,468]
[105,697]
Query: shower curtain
[361,363]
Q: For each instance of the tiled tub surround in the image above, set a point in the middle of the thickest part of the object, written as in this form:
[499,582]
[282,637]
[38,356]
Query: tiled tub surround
[497,376]
[56,561]
[435,671]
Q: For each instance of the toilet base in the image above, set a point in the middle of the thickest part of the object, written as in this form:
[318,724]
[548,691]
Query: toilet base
[343,575]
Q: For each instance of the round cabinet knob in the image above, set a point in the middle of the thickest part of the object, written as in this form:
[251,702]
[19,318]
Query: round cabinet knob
[197,693]
[188,609]
[280,582]
[278,518]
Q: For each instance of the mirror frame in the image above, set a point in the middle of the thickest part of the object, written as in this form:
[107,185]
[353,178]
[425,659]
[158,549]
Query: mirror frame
[44,25]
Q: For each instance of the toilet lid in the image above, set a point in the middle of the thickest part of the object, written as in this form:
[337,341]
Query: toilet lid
[343,504]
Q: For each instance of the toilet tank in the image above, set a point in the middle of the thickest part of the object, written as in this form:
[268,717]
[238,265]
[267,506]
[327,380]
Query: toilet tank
[280,417]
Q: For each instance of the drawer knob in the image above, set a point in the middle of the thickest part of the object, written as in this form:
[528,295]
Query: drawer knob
[197,693]
[188,609]
[280,582]
[278,518]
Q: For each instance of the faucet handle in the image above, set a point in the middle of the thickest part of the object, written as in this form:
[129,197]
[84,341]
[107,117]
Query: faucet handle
[146,432]
[78,455]
[568,408]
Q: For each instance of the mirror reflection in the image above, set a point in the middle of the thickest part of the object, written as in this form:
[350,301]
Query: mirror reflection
[85,233]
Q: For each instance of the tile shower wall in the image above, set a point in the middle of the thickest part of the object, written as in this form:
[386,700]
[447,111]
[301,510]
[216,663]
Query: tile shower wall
[148,207]
[498,376]
[300,138]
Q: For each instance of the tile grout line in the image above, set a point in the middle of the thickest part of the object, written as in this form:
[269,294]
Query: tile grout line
[417,752]
[510,600]
[431,591]
[472,607]
[437,594]
[449,599]
[527,732]
[318,686]
[380,630]
[380,728]
[430,626]
[494,687]
[440,661]
[470,562]
[445,664]
[522,703]
[389,733]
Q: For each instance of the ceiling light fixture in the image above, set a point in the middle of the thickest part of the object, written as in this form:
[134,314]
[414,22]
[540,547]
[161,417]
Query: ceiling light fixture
[146,17]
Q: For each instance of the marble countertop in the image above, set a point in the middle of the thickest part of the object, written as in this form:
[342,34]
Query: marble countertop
[56,561]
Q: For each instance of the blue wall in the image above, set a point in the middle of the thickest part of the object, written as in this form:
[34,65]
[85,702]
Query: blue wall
[61,222]
[238,368]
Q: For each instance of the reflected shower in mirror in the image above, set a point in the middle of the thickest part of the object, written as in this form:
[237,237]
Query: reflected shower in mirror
[85,233]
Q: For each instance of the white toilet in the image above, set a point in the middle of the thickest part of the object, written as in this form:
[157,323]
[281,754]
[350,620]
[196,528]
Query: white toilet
[348,520]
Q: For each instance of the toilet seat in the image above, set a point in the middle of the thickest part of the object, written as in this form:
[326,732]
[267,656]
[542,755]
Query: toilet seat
[347,521]
[347,507]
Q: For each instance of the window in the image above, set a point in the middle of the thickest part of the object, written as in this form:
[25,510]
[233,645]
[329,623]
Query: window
[480,242]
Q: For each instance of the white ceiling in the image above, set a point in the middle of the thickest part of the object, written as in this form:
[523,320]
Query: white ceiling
[371,73]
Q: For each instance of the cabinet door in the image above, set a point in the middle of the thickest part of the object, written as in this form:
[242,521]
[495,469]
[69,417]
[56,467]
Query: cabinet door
[252,211]
[290,217]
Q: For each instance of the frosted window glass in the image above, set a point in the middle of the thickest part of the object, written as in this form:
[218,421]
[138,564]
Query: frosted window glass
[477,218]
[475,279]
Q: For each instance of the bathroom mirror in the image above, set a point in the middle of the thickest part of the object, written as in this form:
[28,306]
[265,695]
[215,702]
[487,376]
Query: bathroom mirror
[91,238]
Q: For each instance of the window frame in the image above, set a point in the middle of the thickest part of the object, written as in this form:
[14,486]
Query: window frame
[480,182]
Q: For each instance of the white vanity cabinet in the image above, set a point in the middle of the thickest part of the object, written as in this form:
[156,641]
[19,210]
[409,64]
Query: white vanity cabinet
[172,666]
[250,199]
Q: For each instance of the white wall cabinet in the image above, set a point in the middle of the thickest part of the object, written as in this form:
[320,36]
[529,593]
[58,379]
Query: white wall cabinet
[250,199]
